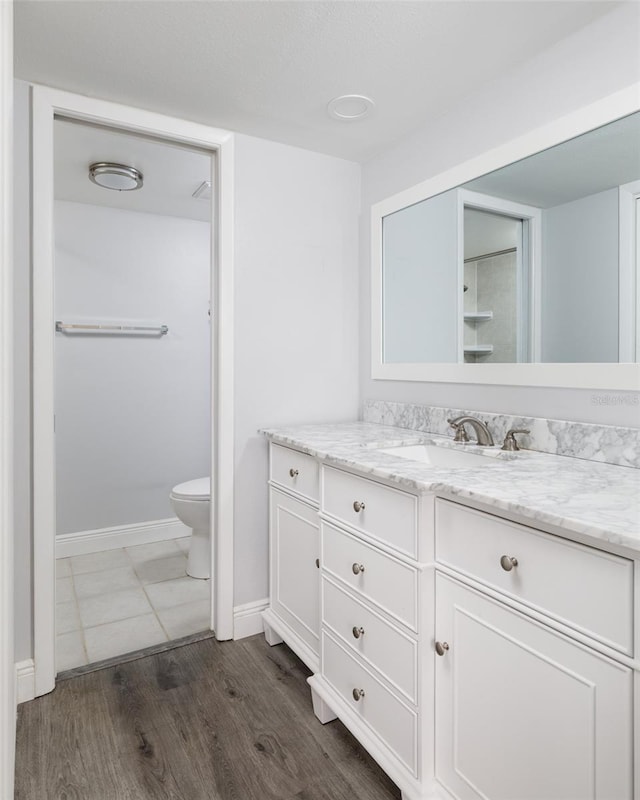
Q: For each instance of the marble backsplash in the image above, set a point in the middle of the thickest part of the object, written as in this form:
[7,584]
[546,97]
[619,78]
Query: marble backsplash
[606,443]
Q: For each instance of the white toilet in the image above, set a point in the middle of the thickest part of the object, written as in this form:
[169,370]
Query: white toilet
[191,503]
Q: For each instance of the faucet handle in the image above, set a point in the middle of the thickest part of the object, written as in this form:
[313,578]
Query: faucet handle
[461,435]
[510,442]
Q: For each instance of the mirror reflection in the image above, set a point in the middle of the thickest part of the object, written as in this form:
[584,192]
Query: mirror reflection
[537,261]
[492,288]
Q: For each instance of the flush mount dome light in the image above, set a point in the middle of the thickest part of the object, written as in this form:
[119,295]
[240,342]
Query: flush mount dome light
[350,106]
[115,176]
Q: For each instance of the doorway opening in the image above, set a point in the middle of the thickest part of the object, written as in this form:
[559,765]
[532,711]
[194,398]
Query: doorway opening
[499,253]
[105,278]
[132,373]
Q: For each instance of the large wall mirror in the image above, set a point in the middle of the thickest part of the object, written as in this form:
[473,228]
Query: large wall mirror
[524,274]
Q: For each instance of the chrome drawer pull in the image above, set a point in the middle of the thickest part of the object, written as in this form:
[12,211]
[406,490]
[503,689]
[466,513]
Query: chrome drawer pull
[293,472]
[358,506]
[357,568]
[441,648]
[357,694]
[508,563]
[357,632]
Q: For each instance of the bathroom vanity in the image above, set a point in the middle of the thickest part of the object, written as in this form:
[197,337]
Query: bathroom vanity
[472,627]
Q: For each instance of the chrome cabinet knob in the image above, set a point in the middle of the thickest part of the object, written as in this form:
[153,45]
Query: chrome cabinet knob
[293,472]
[357,632]
[357,568]
[358,506]
[357,694]
[441,648]
[508,563]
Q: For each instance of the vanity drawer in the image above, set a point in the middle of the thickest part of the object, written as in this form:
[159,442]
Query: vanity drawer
[296,471]
[381,578]
[362,631]
[379,511]
[579,586]
[388,716]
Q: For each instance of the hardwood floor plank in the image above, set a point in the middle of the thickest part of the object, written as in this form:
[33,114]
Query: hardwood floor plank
[341,747]
[207,721]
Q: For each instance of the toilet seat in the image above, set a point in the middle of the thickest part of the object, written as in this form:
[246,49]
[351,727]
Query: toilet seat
[198,489]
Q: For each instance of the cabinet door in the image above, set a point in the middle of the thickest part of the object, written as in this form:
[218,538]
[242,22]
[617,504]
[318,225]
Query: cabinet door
[295,577]
[523,712]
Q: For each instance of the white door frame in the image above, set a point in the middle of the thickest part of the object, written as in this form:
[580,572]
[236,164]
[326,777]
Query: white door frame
[629,282]
[533,216]
[48,103]
[7,668]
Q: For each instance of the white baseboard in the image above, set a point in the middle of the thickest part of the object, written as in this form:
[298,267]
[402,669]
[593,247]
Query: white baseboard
[25,680]
[158,530]
[247,619]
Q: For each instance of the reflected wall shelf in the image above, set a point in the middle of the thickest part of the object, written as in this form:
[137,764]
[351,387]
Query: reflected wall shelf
[477,316]
[478,349]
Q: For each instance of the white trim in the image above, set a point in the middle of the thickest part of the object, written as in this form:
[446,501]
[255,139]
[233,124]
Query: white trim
[580,376]
[222,382]
[629,286]
[95,541]
[247,618]
[25,680]
[47,103]
[7,669]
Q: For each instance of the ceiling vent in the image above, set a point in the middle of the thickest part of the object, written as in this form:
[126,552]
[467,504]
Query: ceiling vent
[203,192]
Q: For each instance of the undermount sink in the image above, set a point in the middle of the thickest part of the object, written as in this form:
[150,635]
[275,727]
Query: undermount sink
[442,456]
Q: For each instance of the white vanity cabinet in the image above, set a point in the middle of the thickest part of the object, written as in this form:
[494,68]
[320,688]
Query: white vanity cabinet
[376,656]
[474,657]
[524,710]
[293,614]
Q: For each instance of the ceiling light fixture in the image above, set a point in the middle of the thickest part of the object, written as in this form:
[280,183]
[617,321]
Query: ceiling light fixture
[350,107]
[118,177]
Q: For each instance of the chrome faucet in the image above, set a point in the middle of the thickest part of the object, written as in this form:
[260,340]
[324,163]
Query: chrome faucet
[483,434]
[510,440]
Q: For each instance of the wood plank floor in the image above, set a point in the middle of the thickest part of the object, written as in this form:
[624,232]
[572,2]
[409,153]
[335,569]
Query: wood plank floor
[214,720]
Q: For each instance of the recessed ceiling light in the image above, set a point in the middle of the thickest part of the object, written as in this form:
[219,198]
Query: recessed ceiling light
[350,106]
[118,177]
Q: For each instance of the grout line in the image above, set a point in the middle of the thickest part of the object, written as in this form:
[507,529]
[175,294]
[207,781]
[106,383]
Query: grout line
[142,586]
[163,580]
[169,608]
[77,604]
[115,621]
[164,630]
[155,613]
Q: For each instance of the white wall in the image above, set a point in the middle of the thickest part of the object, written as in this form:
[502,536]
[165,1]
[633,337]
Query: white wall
[296,318]
[132,412]
[420,282]
[580,279]
[598,60]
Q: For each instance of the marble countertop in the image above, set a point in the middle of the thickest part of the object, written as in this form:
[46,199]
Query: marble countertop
[599,502]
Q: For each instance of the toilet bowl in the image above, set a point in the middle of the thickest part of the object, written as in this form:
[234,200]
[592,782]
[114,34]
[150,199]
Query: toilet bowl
[191,503]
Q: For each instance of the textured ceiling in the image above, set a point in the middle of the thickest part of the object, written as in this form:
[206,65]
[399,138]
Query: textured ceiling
[269,68]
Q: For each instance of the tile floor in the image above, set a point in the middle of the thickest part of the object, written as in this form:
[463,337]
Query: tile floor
[116,601]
